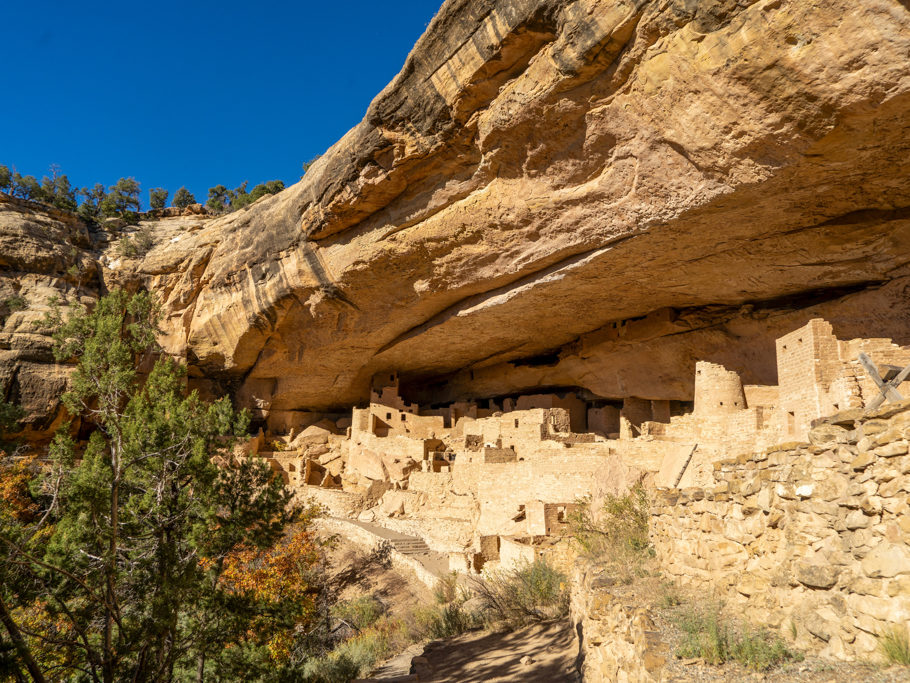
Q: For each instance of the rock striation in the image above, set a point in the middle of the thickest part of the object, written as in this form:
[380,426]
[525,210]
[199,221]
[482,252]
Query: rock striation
[591,194]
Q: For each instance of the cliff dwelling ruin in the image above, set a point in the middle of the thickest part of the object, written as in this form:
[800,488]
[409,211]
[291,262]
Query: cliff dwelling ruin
[495,480]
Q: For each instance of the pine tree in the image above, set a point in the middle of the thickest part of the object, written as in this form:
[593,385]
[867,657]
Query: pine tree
[92,199]
[6,179]
[219,199]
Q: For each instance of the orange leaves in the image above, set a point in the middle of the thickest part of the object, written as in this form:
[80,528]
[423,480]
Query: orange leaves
[273,574]
[279,581]
[15,498]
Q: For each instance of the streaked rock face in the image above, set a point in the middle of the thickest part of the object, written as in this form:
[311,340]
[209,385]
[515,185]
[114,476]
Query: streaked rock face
[45,255]
[593,193]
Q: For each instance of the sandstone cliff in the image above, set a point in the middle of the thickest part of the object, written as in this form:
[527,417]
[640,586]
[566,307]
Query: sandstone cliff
[589,193]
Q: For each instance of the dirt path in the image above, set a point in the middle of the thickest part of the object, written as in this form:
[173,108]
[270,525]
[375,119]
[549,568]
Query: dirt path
[497,657]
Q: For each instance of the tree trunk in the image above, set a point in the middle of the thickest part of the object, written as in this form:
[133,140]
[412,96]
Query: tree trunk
[111,569]
[24,653]
[200,668]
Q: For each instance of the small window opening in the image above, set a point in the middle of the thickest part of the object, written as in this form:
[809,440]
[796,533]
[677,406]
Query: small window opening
[388,416]
[516,424]
[403,417]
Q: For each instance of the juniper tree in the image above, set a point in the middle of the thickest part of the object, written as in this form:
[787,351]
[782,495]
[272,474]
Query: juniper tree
[122,574]
[158,198]
[122,199]
[183,198]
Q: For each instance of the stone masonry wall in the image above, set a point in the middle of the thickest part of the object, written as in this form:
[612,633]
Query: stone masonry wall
[616,640]
[814,536]
[503,487]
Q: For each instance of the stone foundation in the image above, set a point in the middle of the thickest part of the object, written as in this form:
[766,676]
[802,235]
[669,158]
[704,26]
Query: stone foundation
[616,642]
[810,536]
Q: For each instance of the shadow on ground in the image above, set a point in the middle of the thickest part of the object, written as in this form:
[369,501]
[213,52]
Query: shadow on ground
[496,657]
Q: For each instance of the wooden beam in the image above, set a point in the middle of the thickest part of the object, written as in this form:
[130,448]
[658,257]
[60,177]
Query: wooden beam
[888,389]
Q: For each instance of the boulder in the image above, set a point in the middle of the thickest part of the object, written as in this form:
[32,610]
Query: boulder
[367,464]
[312,435]
[816,575]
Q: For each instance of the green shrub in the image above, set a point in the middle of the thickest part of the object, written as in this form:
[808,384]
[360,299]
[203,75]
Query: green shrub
[144,240]
[358,655]
[760,650]
[895,645]
[443,622]
[126,248]
[707,636]
[617,533]
[704,636]
[446,589]
[16,303]
[330,669]
[532,592]
[669,595]
[360,612]
[136,245]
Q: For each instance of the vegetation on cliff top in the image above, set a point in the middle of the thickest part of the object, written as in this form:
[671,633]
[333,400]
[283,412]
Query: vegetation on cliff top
[122,199]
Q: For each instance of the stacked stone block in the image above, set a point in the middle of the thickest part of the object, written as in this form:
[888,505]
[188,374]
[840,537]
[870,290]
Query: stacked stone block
[812,536]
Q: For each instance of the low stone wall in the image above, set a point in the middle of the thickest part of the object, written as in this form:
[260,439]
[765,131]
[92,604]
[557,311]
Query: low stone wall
[369,540]
[616,642]
[806,537]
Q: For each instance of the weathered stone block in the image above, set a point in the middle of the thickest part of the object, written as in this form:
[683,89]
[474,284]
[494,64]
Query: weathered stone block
[862,461]
[891,450]
[873,426]
[867,443]
[829,433]
[857,519]
[804,490]
[887,560]
[816,575]
[864,586]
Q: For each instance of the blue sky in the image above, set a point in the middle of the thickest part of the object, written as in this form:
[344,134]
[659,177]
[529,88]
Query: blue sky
[192,93]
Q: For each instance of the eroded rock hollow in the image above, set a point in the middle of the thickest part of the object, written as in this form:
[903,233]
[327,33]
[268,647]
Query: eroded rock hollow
[590,194]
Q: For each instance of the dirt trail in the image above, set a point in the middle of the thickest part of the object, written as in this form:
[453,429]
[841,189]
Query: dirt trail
[499,657]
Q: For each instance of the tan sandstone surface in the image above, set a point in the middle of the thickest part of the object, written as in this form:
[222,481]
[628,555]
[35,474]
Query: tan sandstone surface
[541,171]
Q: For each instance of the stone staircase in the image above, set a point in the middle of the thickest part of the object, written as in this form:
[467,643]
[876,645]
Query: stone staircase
[410,546]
